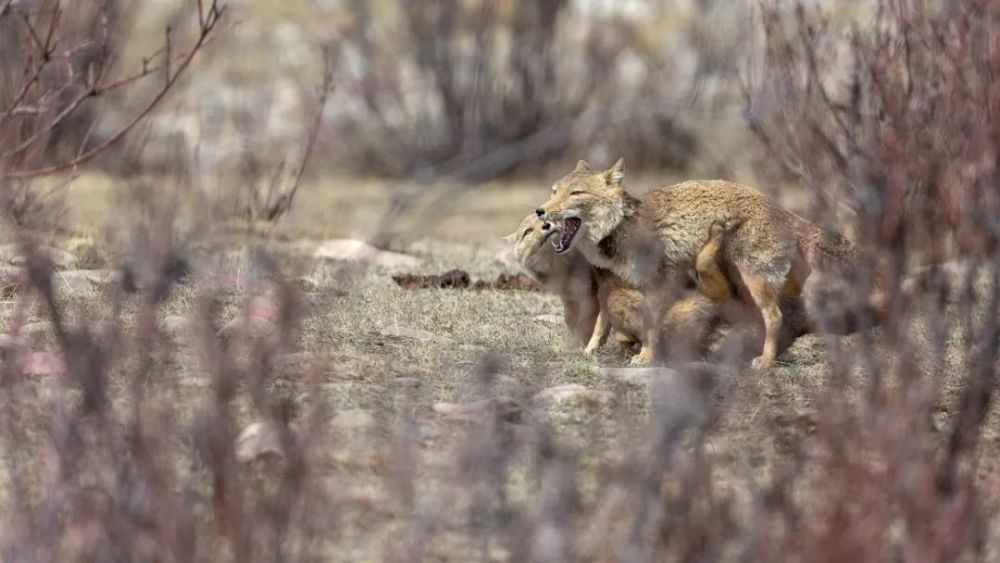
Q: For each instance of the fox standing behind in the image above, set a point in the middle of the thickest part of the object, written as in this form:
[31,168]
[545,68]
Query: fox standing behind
[650,241]
[696,320]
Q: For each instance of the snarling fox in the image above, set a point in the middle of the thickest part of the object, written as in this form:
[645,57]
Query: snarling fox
[651,241]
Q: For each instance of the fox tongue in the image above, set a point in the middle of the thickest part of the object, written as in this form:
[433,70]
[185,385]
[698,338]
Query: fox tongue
[566,238]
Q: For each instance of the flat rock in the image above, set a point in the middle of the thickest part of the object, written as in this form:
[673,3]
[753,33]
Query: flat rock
[638,376]
[353,420]
[35,329]
[12,254]
[408,382]
[252,327]
[417,334]
[175,325]
[506,409]
[43,364]
[259,440]
[572,395]
[353,250]
[79,281]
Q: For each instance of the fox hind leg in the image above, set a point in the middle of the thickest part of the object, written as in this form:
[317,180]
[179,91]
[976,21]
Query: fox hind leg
[767,298]
[712,281]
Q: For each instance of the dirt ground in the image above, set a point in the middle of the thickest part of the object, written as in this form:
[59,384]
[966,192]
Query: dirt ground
[381,357]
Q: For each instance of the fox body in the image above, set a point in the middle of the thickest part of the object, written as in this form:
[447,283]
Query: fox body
[650,241]
[609,304]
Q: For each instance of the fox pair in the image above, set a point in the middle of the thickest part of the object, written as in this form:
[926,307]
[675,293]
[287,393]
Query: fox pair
[597,303]
[743,246]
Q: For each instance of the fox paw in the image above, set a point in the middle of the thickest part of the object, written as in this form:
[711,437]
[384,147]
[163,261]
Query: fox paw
[644,357]
[760,363]
[590,350]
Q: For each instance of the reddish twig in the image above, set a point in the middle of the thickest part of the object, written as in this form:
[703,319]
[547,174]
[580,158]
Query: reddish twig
[207,26]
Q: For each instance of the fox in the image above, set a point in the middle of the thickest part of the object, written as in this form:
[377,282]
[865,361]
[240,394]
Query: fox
[596,303]
[569,276]
[706,311]
[650,241]
[693,323]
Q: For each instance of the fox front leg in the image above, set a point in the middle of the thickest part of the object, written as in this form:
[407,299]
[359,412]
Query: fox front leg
[602,327]
[658,297]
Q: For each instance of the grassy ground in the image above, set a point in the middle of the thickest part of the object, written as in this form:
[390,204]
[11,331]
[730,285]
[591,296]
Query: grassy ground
[357,363]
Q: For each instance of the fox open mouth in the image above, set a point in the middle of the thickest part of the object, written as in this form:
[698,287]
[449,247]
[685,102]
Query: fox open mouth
[570,227]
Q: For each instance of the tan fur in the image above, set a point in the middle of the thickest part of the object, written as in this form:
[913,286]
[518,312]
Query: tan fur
[695,320]
[570,276]
[649,240]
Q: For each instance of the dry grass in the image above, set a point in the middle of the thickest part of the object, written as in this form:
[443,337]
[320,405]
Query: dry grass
[762,424]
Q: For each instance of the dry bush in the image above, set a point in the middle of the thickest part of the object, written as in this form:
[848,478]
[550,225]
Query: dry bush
[472,90]
[101,462]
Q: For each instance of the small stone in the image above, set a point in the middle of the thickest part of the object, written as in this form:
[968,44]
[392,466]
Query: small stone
[572,394]
[252,327]
[506,409]
[61,259]
[175,325]
[43,364]
[259,440]
[352,250]
[553,319]
[35,329]
[353,420]
[417,334]
[263,307]
[637,376]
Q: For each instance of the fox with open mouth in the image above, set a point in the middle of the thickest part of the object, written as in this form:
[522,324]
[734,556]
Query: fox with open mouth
[652,240]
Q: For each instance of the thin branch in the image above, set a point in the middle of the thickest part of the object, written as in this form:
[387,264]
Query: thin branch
[205,31]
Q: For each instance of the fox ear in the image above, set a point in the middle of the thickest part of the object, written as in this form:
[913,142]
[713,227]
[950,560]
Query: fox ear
[582,166]
[616,174]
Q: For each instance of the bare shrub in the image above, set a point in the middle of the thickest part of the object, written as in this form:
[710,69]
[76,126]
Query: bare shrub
[57,62]
[475,89]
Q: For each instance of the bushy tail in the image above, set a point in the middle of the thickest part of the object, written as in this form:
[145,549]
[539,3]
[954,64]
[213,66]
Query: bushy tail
[825,248]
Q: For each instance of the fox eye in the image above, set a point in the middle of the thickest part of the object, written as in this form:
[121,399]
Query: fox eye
[526,233]
[576,192]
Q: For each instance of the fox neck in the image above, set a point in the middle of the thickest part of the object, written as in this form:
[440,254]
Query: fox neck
[608,218]
[607,238]
[542,265]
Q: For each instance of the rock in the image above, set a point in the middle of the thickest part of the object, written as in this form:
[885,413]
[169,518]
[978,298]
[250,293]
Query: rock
[352,250]
[35,329]
[263,307]
[61,259]
[637,376]
[572,395]
[175,326]
[552,319]
[195,382]
[306,284]
[43,364]
[355,420]
[291,360]
[408,382]
[507,259]
[80,281]
[414,334]
[259,440]
[249,327]
[506,409]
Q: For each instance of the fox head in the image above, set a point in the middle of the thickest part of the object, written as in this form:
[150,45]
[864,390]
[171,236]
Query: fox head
[531,246]
[585,204]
